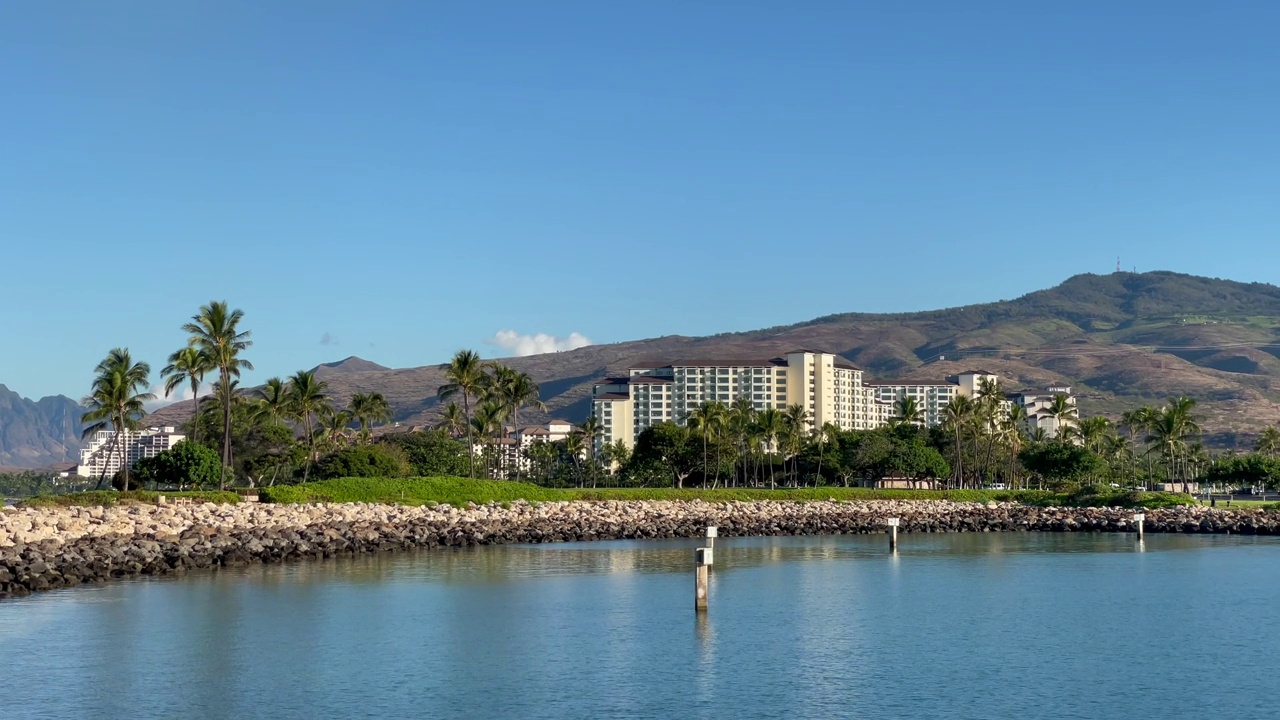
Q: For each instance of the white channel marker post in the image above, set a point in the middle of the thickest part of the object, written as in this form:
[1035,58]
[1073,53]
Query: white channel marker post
[712,533]
[893,534]
[702,557]
[1139,518]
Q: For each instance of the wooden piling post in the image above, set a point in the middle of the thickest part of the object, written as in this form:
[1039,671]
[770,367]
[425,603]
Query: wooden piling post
[1139,519]
[702,559]
[893,534]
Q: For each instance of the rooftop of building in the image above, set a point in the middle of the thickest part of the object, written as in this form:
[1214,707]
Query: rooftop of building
[908,383]
[611,396]
[741,361]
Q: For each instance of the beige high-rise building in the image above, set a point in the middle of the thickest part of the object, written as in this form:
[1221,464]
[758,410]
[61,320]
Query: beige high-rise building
[827,386]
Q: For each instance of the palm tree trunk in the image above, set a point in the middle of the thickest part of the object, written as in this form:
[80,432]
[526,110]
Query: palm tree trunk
[471,442]
[311,441]
[195,414]
[226,427]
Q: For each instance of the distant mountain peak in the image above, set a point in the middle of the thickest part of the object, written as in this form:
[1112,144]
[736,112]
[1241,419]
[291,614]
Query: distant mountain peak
[352,364]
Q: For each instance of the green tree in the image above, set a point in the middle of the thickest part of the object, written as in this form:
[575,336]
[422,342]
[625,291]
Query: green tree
[907,410]
[771,425]
[379,460]
[307,401]
[1246,471]
[187,365]
[1059,462]
[452,421]
[272,401]
[366,409]
[431,453]
[116,402]
[958,414]
[1063,412]
[669,447]
[1269,441]
[215,332]
[186,464]
[465,376]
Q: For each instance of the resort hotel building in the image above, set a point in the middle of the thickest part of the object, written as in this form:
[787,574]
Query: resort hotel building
[829,387]
[105,454]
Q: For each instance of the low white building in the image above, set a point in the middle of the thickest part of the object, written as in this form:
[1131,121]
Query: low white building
[107,452]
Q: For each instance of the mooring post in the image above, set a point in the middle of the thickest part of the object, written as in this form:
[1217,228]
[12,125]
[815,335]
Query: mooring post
[1138,519]
[712,533]
[893,534]
[702,559]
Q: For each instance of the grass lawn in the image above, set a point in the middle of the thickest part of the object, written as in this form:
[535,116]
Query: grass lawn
[113,497]
[459,491]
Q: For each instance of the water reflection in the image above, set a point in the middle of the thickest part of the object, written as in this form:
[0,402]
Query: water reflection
[978,625]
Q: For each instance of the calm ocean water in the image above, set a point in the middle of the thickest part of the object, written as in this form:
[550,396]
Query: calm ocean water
[953,626]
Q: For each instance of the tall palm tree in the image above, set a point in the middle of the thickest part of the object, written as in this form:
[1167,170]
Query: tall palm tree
[308,401]
[115,401]
[1015,419]
[1170,429]
[742,417]
[772,425]
[366,409]
[466,377]
[1134,422]
[591,432]
[827,433]
[1064,415]
[215,331]
[452,421]
[1093,432]
[188,365]
[487,423]
[272,401]
[796,419]
[960,410]
[906,409]
[700,422]
[515,390]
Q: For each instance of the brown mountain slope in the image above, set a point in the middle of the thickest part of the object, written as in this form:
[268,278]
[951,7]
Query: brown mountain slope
[1120,339]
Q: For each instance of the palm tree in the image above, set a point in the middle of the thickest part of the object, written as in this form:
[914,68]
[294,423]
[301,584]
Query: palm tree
[452,421]
[115,401]
[1135,421]
[514,390]
[772,425]
[333,428]
[215,332]
[827,433]
[487,423]
[1015,420]
[700,423]
[906,409]
[187,365]
[958,413]
[1093,432]
[1269,441]
[1170,428]
[465,375]
[796,419]
[741,421]
[590,433]
[307,401]
[1063,412]
[272,401]
[366,409]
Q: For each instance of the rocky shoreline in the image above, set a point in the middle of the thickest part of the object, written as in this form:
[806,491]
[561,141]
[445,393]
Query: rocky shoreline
[48,548]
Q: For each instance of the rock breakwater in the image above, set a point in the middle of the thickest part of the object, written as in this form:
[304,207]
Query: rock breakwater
[48,548]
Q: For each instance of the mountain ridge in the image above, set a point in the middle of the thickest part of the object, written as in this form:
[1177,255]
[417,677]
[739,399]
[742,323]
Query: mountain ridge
[1120,339]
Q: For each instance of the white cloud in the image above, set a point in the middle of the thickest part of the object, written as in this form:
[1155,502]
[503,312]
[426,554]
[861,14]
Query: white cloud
[519,344]
[180,393]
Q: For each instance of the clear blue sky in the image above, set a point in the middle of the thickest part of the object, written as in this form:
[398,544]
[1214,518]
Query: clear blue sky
[410,178]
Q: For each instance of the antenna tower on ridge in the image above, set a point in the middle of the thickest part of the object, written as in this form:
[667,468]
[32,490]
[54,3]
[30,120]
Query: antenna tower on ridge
[1118,264]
